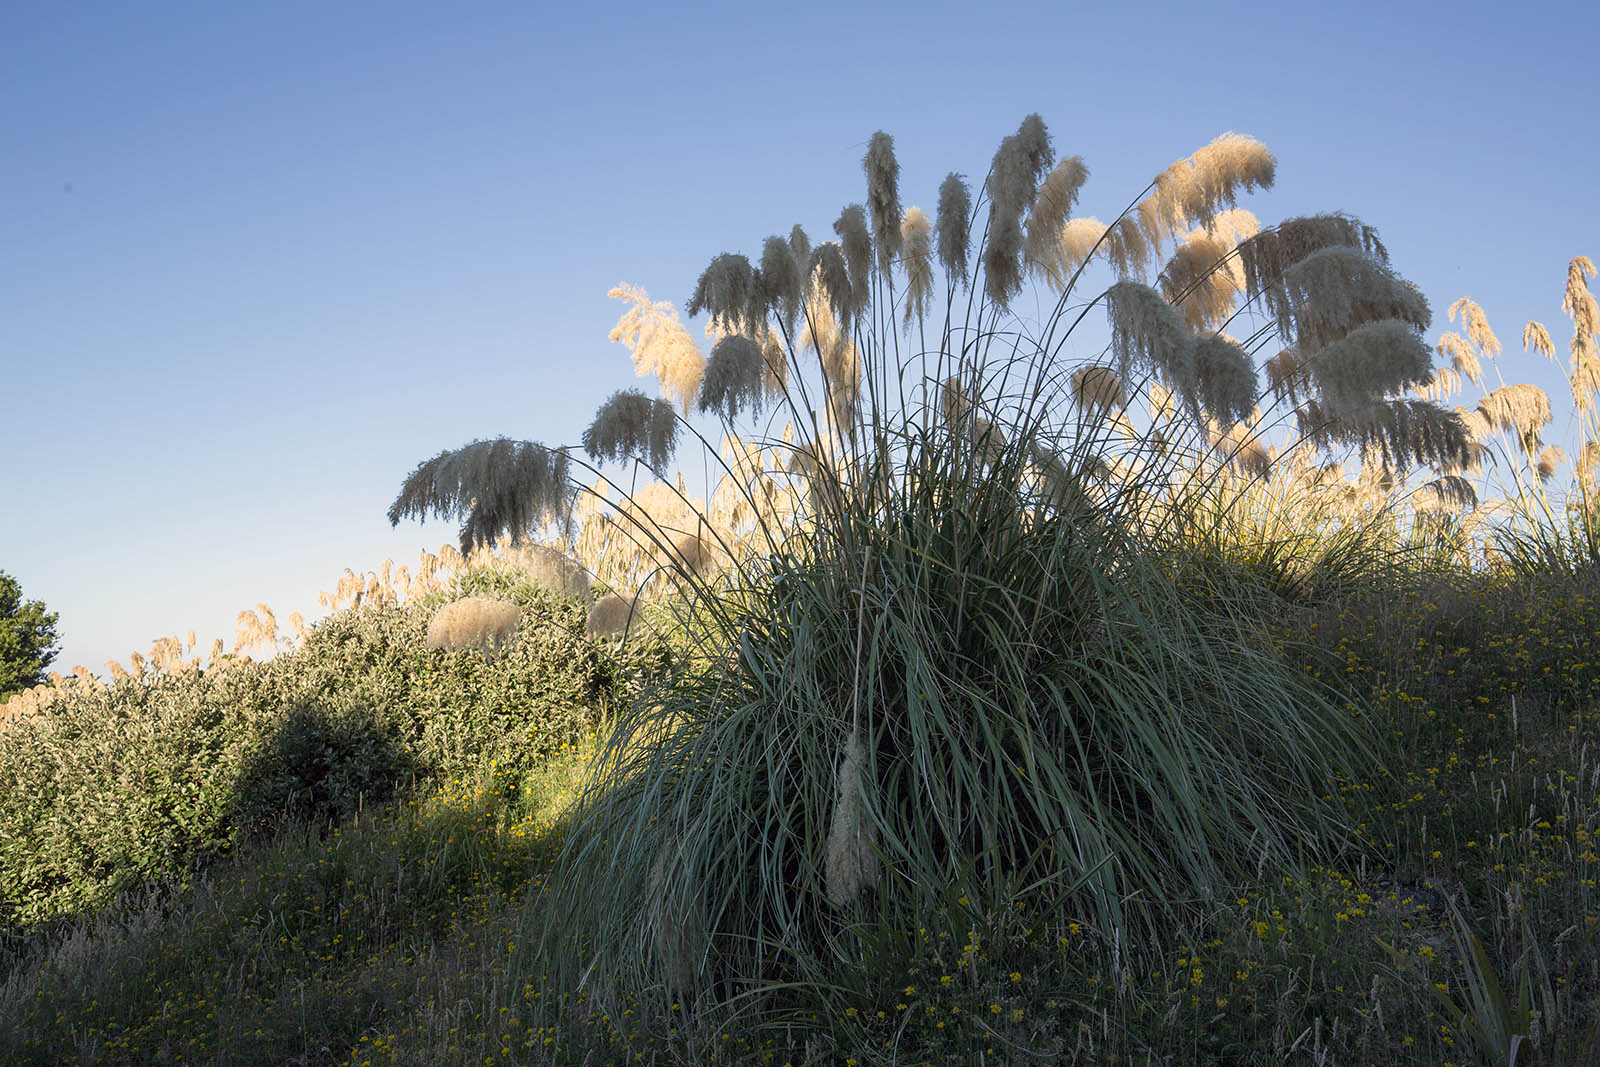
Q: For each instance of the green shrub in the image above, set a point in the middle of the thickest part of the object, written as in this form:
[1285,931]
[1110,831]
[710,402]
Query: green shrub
[141,781]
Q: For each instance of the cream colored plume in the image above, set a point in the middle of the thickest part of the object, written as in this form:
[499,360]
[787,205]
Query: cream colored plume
[474,623]
[610,616]
[659,344]
[1052,206]
[1078,239]
[1549,461]
[1195,189]
[1535,338]
[1098,389]
[1476,323]
[916,235]
[1521,409]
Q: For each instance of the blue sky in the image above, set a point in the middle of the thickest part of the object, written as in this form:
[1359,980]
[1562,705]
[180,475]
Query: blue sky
[256,263]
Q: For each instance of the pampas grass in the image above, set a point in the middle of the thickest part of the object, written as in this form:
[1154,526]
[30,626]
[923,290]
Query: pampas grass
[1053,204]
[1019,163]
[735,378]
[916,238]
[511,486]
[610,616]
[883,198]
[954,219]
[856,244]
[474,623]
[659,344]
[632,426]
[1522,410]
[851,866]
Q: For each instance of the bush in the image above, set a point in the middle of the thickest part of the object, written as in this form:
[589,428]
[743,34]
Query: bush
[141,781]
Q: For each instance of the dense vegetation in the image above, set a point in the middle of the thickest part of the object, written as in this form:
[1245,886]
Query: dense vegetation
[1001,708]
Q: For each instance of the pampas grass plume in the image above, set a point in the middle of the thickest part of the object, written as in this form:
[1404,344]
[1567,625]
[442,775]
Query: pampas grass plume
[1052,205]
[856,243]
[1549,460]
[659,343]
[734,379]
[1521,409]
[1098,389]
[1535,338]
[917,242]
[851,865]
[883,197]
[954,225]
[474,622]
[610,615]
[630,425]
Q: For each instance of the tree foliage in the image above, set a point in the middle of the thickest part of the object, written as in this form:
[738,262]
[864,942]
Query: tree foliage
[27,638]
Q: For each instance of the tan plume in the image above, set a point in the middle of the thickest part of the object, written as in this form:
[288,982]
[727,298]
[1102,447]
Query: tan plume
[1535,338]
[917,240]
[659,344]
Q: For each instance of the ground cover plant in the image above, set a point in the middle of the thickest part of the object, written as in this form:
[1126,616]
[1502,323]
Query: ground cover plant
[1026,703]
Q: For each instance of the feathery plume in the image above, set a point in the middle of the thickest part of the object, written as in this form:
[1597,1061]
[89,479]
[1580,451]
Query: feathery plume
[954,225]
[659,344]
[297,623]
[1146,331]
[1127,247]
[1288,376]
[734,378]
[1441,382]
[1195,189]
[728,292]
[1578,302]
[1268,255]
[216,650]
[1549,460]
[1476,323]
[1521,409]
[883,197]
[1463,359]
[630,425]
[852,860]
[116,671]
[496,486]
[830,274]
[1019,163]
[1225,378]
[1535,338]
[1444,494]
[1098,389]
[1372,361]
[916,239]
[856,243]
[1078,238]
[554,571]
[780,282]
[610,616]
[1585,378]
[1337,289]
[1041,246]
[474,622]
[250,632]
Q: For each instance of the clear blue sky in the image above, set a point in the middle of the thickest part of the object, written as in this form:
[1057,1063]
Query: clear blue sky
[257,261]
